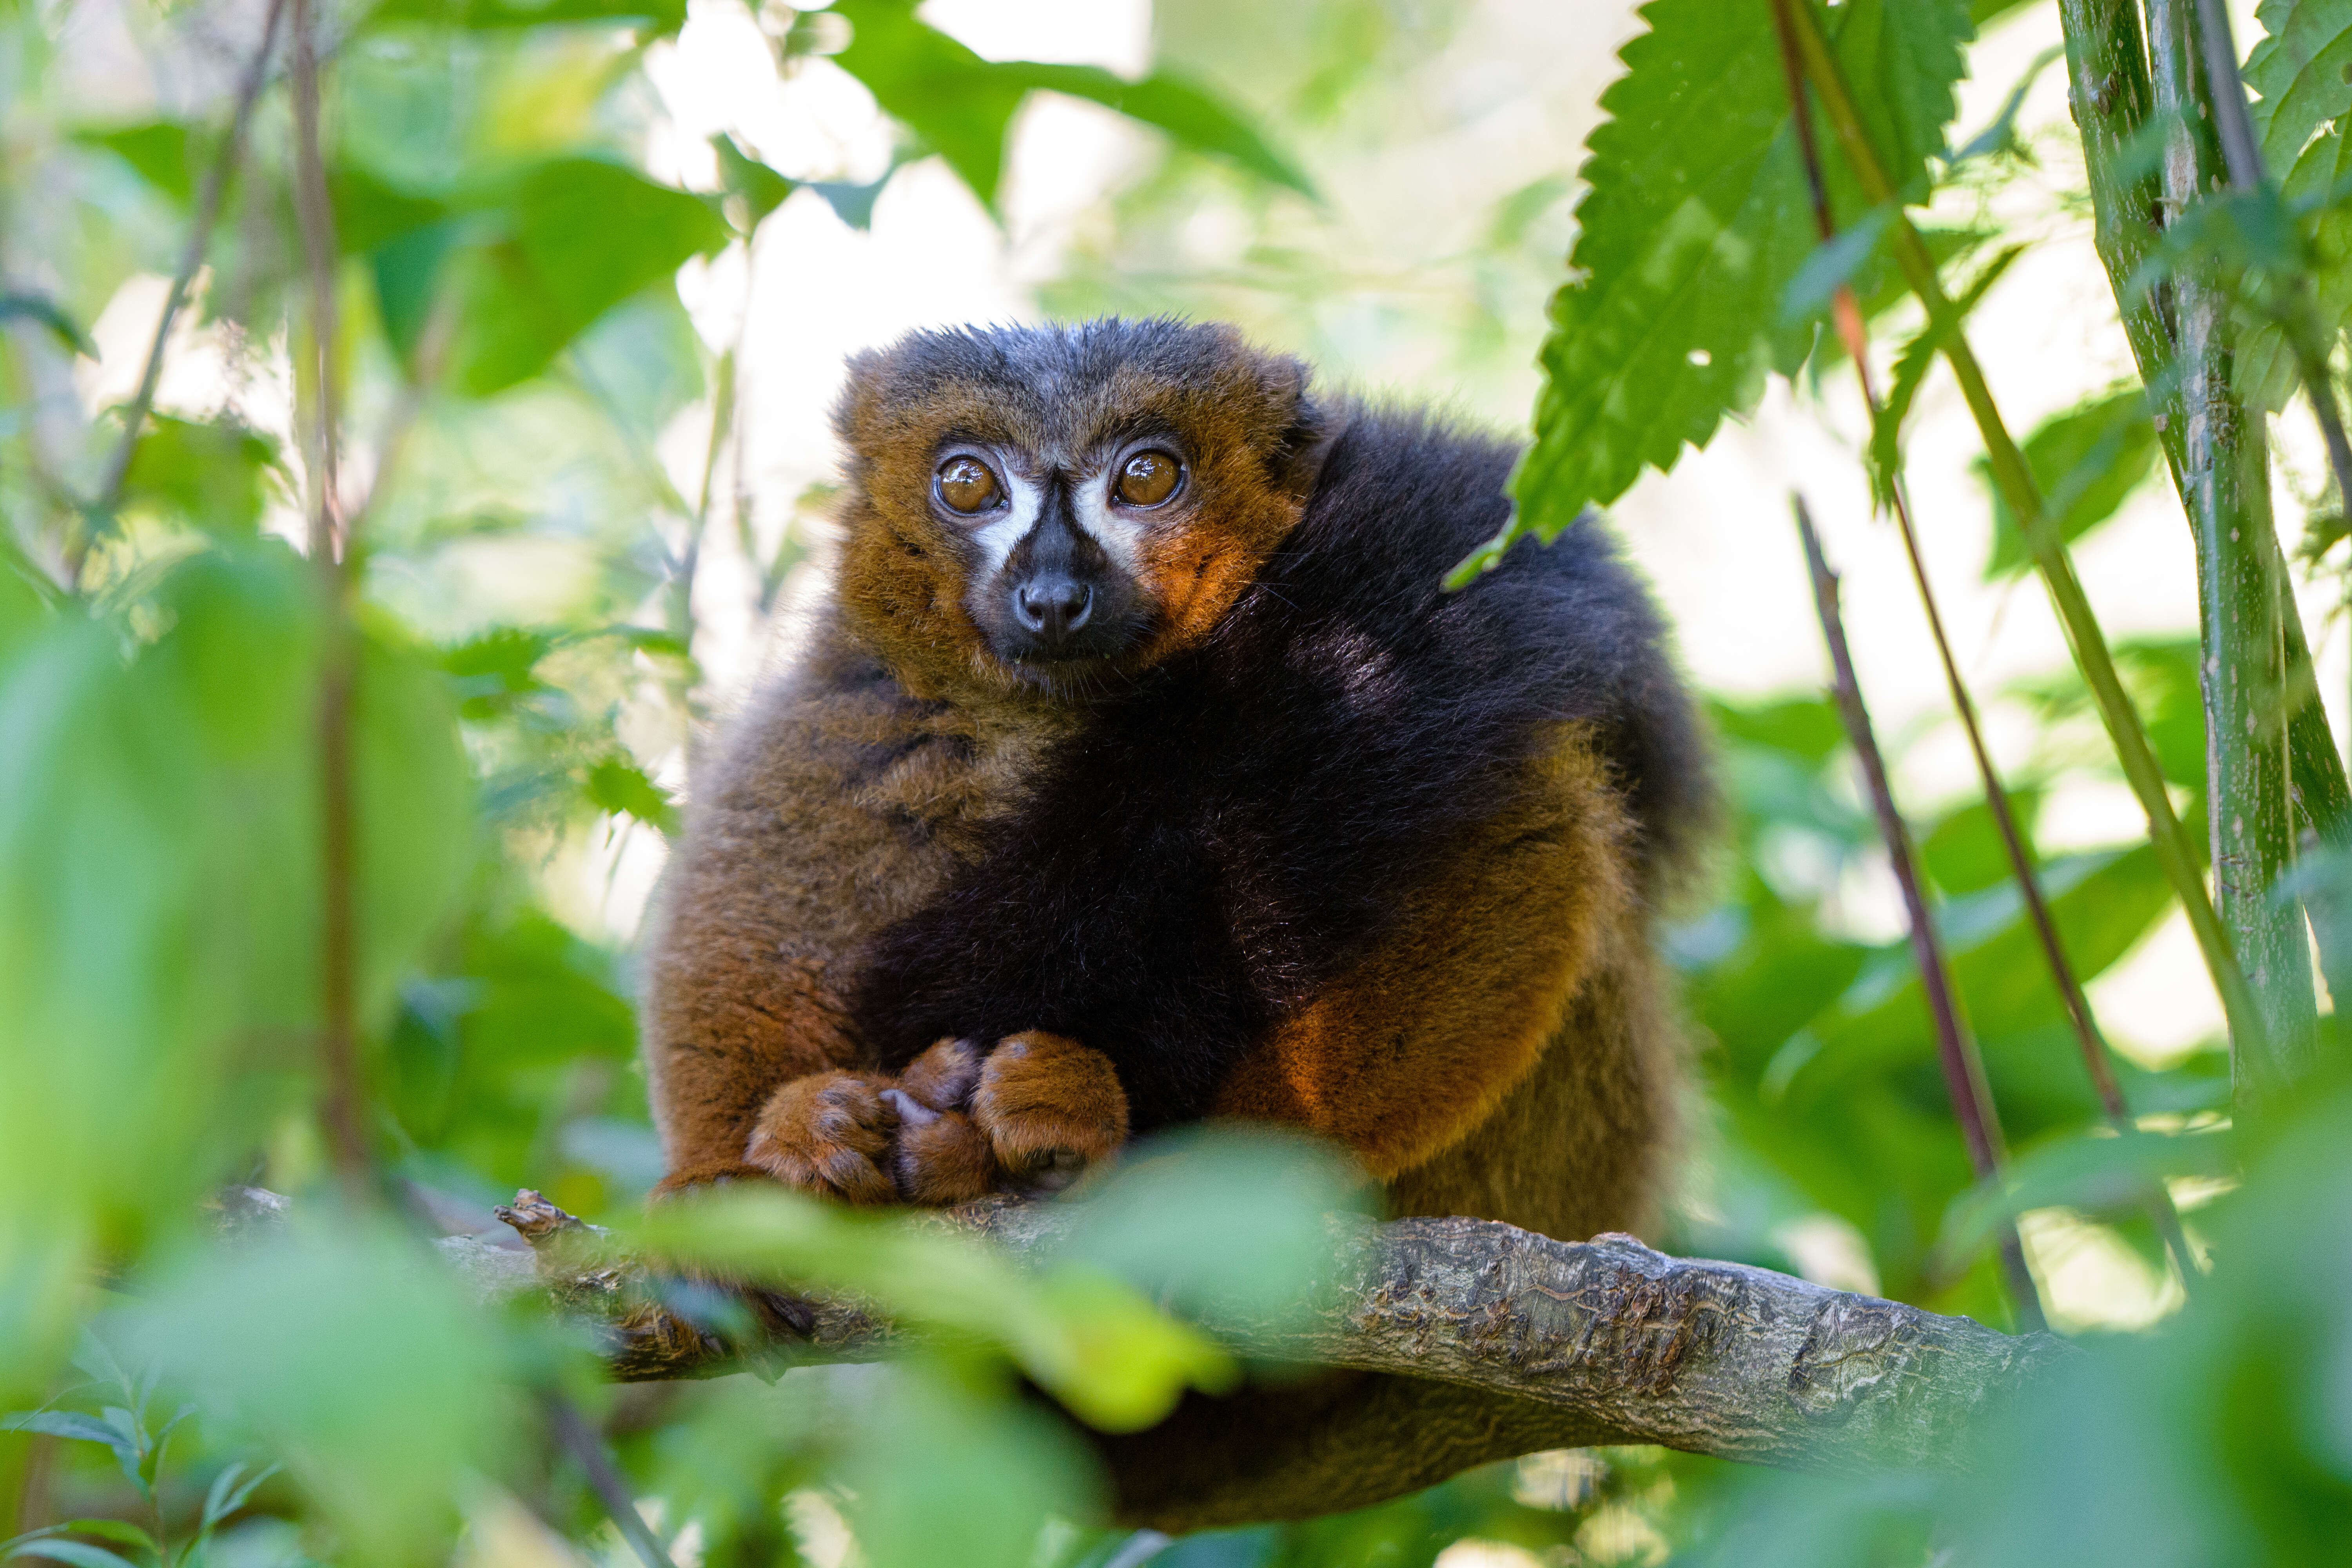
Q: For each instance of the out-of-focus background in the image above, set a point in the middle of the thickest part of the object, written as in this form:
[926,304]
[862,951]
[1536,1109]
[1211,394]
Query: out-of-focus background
[602,513]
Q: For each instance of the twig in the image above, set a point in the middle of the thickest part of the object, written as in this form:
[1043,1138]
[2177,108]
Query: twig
[1964,1074]
[612,1489]
[2016,482]
[192,256]
[1856,333]
[334,559]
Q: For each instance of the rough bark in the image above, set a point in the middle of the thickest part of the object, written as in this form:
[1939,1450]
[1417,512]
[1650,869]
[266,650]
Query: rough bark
[1544,1343]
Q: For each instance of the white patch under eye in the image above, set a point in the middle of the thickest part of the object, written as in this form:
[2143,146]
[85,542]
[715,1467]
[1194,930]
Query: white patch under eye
[1120,537]
[995,538]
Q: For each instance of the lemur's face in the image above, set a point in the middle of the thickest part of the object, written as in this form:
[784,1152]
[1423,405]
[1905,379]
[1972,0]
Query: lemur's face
[1043,508]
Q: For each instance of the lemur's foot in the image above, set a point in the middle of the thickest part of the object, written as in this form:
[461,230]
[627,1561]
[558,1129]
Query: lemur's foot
[941,1158]
[829,1133]
[1051,1108]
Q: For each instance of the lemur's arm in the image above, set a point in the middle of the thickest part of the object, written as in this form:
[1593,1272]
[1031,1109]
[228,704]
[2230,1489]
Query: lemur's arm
[756,1068]
[1413,1047]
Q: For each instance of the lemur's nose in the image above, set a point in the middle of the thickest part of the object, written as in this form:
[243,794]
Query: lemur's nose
[1052,605]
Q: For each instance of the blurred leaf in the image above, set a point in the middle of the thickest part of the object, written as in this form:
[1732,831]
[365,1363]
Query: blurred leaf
[761,188]
[344,1346]
[161,150]
[2302,69]
[58,1549]
[960,104]
[1911,368]
[1185,111]
[1833,266]
[659,16]
[2088,460]
[494,669]
[40,308]
[580,236]
[1218,1223]
[2100,1174]
[621,787]
[370,213]
[2000,136]
[210,475]
[1965,852]
[1092,1341]
[932,1463]
[1697,221]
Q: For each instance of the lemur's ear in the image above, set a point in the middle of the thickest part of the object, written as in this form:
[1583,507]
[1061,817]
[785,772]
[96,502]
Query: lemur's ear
[1297,460]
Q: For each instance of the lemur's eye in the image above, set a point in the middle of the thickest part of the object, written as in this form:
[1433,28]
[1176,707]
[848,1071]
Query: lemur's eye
[1148,478]
[967,485]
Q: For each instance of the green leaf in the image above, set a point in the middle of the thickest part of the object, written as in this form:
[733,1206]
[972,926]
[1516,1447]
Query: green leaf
[1094,1341]
[65,1424]
[209,476]
[621,787]
[161,152]
[494,670]
[80,1553]
[658,16]
[761,188]
[580,236]
[1911,368]
[960,104]
[1184,111]
[2087,461]
[40,308]
[1697,221]
[2302,69]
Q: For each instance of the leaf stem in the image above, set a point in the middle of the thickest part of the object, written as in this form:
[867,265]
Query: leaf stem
[191,258]
[1955,1050]
[2083,638]
[334,559]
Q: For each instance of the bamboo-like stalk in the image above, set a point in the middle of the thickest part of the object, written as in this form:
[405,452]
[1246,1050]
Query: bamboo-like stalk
[2111,99]
[1956,1048]
[1855,332]
[2088,645]
[334,559]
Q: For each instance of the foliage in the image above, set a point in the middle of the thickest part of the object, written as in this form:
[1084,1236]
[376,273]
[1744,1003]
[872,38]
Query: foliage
[515,359]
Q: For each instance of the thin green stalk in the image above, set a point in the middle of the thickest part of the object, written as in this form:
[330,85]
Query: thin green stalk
[2174,853]
[2111,99]
[1855,332]
[2239,585]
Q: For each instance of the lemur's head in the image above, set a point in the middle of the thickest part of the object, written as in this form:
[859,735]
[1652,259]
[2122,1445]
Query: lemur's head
[1040,507]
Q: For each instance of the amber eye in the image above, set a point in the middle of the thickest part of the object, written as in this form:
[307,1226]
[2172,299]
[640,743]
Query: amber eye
[1148,478]
[966,485]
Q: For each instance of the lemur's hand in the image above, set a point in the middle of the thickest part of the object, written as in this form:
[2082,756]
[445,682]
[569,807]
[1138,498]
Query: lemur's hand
[1030,1117]
[829,1133]
[1051,1108]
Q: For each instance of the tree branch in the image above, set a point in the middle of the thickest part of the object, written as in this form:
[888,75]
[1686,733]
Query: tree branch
[1623,1343]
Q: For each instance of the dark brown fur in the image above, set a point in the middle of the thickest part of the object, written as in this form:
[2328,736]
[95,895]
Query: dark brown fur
[1310,842]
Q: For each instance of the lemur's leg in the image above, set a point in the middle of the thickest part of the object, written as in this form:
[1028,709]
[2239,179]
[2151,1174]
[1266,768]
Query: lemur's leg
[1407,1052]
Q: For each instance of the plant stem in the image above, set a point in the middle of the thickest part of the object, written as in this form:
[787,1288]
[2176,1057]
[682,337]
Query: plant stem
[2241,581]
[1964,1074]
[334,559]
[2111,98]
[192,256]
[1856,333]
[612,1488]
[2088,645]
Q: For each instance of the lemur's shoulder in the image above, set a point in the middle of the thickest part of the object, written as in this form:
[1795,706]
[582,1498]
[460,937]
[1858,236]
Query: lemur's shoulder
[1564,632]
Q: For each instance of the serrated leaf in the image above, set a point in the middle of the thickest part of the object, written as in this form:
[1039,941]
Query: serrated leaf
[1699,220]
[621,787]
[2302,69]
